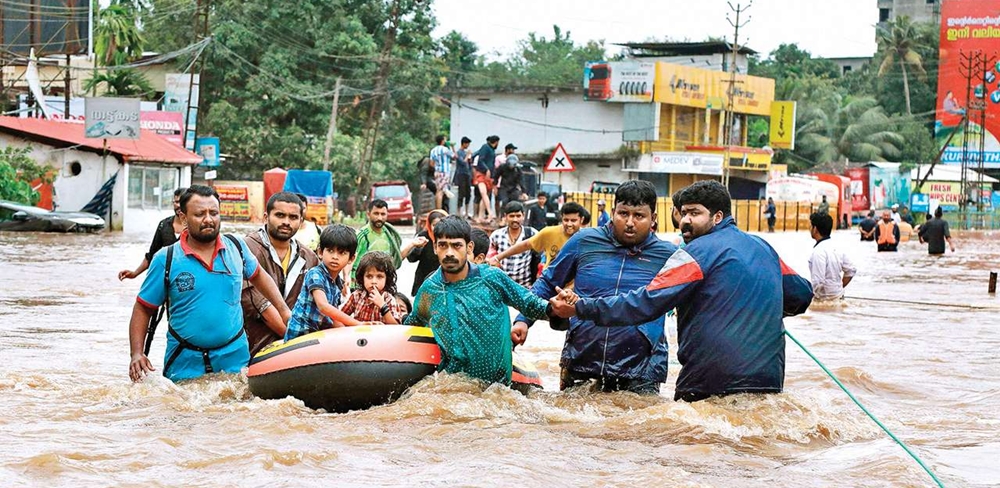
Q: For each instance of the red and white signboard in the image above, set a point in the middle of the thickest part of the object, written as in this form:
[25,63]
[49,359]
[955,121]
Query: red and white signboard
[560,161]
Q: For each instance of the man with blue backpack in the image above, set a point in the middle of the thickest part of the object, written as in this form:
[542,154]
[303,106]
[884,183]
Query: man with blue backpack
[200,278]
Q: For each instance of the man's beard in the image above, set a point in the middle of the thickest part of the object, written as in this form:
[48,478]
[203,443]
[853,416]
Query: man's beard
[452,266]
[210,237]
[378,224]
[273,233]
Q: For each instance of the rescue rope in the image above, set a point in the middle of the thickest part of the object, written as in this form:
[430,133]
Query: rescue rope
[865,410]
[926,304]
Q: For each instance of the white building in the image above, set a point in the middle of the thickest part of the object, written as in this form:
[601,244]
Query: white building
[148,169]
[536,119]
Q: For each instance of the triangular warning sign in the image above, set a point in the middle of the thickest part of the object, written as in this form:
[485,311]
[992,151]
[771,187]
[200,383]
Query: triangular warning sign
[560,161]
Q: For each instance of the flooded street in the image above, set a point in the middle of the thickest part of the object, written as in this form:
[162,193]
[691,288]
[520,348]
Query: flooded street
[931,373]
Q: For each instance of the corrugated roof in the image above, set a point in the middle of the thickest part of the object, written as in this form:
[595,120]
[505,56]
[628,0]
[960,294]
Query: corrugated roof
[683,48]
[149,148]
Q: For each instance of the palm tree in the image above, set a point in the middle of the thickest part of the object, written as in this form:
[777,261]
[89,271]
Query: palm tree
[835,128]
[117,36]
[897,41]
[121,83]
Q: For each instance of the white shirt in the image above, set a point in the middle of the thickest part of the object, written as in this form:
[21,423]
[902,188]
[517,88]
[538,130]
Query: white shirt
[896,218]
[828,267]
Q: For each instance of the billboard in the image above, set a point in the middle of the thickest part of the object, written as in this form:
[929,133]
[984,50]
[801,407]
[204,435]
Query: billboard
[49,26]
[175,99]
[618,81]
[234,202]
[170,125]
[697,87]
[111,118]
[968,26]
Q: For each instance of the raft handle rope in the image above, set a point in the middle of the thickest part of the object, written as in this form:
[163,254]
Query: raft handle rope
[865,410]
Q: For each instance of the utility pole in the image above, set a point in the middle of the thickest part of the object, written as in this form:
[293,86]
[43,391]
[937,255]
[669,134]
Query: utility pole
[969,63]
[200,32]
[375,113]
[984,68]
[333,126]
[66,88]
[727,135]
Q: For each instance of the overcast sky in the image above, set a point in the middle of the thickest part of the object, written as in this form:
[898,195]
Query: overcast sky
[828,28]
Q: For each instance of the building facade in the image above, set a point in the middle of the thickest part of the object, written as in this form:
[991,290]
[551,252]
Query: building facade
[916,10]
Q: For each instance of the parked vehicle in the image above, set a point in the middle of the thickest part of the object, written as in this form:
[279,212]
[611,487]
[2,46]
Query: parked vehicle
[396,193]
[605,187]
[25,218]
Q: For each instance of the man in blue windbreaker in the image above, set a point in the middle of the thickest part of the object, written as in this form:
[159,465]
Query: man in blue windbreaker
[731,291]
[605,261]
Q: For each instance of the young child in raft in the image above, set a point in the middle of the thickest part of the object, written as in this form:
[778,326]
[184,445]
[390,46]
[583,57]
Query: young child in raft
[375,301]
[316,307]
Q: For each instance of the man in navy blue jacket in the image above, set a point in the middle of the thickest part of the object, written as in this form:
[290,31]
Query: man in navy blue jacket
[605,261]
[731,291]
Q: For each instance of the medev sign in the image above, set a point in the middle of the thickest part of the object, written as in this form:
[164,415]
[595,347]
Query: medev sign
[680,162]
[111,118]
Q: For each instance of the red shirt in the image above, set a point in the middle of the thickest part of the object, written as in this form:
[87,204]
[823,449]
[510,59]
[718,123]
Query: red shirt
[362,308]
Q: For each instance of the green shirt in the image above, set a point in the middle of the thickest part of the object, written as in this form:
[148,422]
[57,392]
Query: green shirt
[471,322]
[378,241]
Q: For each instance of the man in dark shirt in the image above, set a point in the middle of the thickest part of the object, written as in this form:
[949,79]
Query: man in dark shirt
[167,232]
[867,227]
[509,176]
[536,218]
[934,233]
[482,177]
[463,177]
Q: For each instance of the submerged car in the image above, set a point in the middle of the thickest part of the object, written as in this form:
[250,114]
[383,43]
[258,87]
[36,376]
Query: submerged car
[25,218]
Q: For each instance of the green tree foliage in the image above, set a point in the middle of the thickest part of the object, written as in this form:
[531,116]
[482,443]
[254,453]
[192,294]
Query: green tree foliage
[861,116]
[17,170]
[897,41]
[540,61]
[118,40]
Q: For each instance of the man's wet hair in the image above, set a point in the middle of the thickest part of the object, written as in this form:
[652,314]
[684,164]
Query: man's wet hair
[439,139]
[636,193]
[709,193]
[480,241]
[823,223]
[512,207]
[339,237]
[285,197]
[938,212]
[573,208]
[871,213]
[201,191]
[180,191]
[492,139]
[542,194]
[465,140]
[453,227]
[381,261]
[378,202]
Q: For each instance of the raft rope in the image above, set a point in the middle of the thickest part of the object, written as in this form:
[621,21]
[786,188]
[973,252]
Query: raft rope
[925,304]
[865,410]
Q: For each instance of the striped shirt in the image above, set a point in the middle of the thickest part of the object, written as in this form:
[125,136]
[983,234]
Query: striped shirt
[518,266]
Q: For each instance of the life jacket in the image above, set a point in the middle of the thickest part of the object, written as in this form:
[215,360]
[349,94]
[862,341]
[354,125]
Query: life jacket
[885,235]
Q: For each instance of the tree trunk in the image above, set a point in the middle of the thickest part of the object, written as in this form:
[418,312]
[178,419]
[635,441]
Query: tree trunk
[906,86]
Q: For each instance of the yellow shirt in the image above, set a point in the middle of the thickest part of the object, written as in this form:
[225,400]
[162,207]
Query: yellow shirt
[549,240]
[285,261]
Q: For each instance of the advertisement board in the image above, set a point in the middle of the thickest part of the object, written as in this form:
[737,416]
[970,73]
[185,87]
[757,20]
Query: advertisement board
[175,99]
[618,81]
[234,202]
[111,118]
[680,162]
[695,87]
[968,26]
[208,147]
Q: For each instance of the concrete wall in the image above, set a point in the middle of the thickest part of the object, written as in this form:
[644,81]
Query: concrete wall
[522,119]
[72,192]
[916,10]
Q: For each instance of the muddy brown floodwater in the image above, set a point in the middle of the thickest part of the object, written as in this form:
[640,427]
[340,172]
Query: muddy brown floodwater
[70,417]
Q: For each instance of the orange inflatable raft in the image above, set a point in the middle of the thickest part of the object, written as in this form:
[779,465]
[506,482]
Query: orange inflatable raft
[354,368]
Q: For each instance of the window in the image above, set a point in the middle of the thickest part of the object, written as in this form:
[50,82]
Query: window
[847,69]
[152,188]
[883,14]
[931,2]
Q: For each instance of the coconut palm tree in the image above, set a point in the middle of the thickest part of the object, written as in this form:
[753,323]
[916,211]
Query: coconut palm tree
[831,127]
[118,39]
[121,83]
[897,42]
